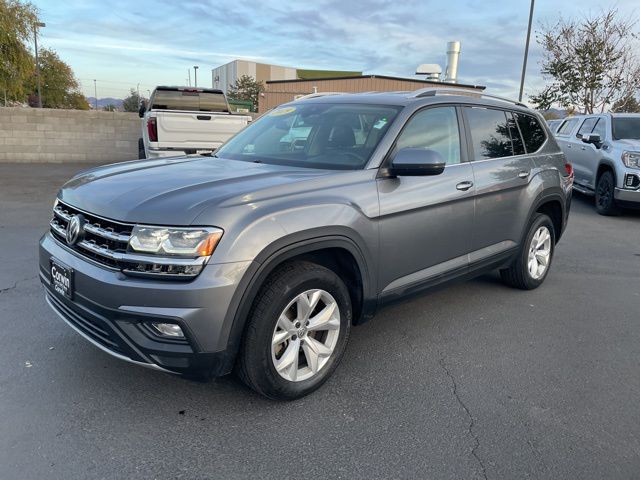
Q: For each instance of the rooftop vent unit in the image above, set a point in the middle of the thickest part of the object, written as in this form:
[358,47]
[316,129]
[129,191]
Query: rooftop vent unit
[433,71]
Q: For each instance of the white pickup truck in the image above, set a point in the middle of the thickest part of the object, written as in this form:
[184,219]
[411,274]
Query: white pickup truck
[184,120]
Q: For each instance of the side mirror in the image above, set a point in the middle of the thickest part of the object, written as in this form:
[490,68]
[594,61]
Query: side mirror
[142,109]
[416,162]
[592,138]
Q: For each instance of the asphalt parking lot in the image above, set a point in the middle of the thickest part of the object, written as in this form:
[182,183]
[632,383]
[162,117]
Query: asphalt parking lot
[473,381]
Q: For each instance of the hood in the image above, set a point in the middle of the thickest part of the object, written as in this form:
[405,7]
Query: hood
[173,191]
[628,144]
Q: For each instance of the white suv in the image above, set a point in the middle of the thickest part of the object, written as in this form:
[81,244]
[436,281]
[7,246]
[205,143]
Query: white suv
[604,150]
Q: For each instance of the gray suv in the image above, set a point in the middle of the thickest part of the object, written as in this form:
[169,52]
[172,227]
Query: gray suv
[261,257]
[604,150]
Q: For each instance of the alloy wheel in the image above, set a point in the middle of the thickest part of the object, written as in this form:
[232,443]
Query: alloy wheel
[305,335]
[539,253]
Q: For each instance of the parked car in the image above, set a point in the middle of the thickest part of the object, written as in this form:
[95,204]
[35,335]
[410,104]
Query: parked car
[604,150]
[262,256]
[183,120]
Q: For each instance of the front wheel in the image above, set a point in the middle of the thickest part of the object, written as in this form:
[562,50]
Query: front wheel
[297,331]
[531,267]
[605,201]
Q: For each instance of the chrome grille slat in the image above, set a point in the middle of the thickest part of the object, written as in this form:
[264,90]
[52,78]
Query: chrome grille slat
[101,232]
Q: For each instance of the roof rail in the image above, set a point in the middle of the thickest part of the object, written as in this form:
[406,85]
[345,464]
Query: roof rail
[318,94]
[432,92]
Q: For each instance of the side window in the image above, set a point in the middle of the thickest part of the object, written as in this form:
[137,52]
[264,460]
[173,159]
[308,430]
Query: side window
[587,126]
[601,128]
[435,129]
[532,132]
[514,131]
[489,133]
[567,127]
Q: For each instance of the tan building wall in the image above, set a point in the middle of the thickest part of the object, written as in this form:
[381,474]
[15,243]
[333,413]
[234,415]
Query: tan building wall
[67,136]
[225,75]
[277,93]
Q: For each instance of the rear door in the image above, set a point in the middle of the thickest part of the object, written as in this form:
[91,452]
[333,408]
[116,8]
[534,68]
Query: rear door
[584,156]
[425,221]
[502,170]
[563,137]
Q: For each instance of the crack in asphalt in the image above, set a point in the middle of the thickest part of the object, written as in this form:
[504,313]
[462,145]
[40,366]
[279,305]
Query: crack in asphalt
[16,283]
[454,389]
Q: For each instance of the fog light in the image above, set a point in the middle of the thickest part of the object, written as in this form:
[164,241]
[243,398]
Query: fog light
[168,329]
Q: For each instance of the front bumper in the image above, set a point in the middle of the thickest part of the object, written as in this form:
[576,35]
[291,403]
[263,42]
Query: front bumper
[114,311]
[627,196]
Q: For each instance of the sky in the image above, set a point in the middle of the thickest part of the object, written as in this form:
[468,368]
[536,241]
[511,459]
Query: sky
[125,44]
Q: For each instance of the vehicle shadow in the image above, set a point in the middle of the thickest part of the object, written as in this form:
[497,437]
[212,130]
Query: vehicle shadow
[587,203]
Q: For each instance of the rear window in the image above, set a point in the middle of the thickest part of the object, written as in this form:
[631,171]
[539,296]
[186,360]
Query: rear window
[626,127]
[190,100]
[489,133]
[533,134]
[567,126]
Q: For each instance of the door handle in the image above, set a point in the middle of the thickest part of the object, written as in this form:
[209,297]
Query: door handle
[524,174]
[568,146]
[204,117]
[464,186]
[582,148]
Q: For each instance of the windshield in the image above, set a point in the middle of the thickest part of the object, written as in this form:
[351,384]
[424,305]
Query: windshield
[332,136]
[626,127]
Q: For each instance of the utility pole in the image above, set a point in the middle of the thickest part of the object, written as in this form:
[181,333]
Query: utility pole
[526,51]
[95,92]
[195,74]
[35,40]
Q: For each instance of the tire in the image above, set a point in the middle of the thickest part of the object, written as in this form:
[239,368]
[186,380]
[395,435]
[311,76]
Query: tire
[605,201]
[292,285]
[141,153]
[519,274]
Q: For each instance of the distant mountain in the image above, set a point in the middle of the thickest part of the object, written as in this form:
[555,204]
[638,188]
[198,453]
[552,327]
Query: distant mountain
[103,102]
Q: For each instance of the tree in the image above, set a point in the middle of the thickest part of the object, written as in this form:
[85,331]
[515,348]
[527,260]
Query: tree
[17,23]
[626,105]
[60,89]
[132,102]
[591,63]
[246,88]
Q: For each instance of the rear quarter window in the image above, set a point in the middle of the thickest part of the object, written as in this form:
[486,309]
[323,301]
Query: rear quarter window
[533,134]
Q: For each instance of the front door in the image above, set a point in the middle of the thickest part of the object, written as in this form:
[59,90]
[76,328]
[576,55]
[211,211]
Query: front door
[425,221]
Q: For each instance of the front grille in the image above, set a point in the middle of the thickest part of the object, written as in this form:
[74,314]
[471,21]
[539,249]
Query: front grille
[103,240]
[106,242]
[94,329]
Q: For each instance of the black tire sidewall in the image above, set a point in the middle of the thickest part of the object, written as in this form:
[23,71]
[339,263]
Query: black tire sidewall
[609,208]
[259,361]
[540,220]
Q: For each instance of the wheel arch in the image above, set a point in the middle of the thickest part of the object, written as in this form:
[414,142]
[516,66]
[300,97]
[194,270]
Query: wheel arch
[336,249]
[551,203]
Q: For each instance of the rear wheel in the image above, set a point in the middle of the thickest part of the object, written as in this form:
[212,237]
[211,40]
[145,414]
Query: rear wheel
[532,265]
[297,331]
[605,201]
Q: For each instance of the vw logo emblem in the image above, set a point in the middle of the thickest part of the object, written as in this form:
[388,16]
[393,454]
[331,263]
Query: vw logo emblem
[74,229]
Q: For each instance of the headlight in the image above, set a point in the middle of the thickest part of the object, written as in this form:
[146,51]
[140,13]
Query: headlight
[181,242]
[631,159]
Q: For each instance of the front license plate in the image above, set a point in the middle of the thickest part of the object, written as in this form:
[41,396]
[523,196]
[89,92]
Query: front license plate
[62,279]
